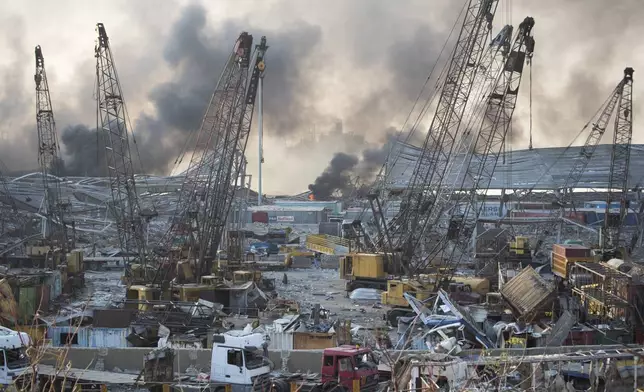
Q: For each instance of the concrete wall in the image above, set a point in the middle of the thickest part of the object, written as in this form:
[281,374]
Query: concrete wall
[131,358]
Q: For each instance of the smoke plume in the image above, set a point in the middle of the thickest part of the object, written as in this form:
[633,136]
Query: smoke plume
[336,177]
[328,63]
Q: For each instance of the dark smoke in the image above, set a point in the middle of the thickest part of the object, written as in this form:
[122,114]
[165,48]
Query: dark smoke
[336,177]
[86,152]
[196,54]
[350,174]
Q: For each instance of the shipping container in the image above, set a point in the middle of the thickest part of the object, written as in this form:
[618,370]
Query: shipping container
[54,281]
[280,341]
[259,217]
[583,337]
[313,341]
[561,265]
[571,250]
[27,302]
[88,336]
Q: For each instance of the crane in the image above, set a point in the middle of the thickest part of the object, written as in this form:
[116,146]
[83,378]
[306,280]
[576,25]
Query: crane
[490,65]
[424,199]
[599,125]
[218,159]
[49,157]
[112,123]
[481,159]
[229,152]
[619,166]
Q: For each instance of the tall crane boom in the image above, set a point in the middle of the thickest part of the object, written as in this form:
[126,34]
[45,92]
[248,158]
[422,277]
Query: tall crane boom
[619,165]
[229,150]
[487,144]
[218,155]
[599,125]
[424,197]
[113,125]
[48,155]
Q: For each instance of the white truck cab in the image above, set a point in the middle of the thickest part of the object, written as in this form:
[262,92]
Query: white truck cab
[14,362]
[237,359]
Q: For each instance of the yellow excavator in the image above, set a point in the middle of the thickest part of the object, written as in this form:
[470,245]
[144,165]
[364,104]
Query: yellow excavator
[365,270]
[374,270]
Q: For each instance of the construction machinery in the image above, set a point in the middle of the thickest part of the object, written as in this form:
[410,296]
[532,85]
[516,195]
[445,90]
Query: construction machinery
[563,256]
[365,270]
[620,99]
[55,209]
[291,255]
[217,165]
[113,126]
[464,289]
[399,240]
[454,207]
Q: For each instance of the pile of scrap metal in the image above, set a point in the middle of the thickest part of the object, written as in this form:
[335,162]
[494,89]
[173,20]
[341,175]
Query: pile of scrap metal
[448,327]
[430,372]
[317,320]
[174,324]
[525,313]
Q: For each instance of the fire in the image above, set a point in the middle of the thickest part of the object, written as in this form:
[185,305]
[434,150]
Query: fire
[311,197]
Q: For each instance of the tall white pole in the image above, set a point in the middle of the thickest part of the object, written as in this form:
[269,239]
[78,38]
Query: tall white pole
[260,126]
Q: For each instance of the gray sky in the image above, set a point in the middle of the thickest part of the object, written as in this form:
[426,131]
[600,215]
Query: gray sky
[340,73]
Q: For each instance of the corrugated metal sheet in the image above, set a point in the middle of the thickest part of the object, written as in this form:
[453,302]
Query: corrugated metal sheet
[27,302]
[280,341]
[54,282]
[108,337]
[88,336]
[539,168]
[313,341]
[526,291]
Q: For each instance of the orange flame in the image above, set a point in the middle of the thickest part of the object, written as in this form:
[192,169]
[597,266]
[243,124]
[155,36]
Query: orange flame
[311,197]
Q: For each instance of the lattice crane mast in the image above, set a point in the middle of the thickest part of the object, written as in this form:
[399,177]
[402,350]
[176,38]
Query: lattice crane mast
[229,153]
[599,125]
[487,145]
[611,238]
[218,157]
[6,216]
[424,195]
[490,65]
[48,157]
[113,126]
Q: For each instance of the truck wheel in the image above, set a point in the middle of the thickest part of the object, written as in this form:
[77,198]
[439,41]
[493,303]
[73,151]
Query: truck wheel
[280,386]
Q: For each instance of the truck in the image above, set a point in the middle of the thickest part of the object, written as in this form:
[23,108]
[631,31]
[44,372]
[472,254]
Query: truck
[240,359]
[14,363]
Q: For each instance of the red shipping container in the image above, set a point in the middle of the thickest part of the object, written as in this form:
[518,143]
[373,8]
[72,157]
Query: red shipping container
[259,217]
[571,250]
[585,337]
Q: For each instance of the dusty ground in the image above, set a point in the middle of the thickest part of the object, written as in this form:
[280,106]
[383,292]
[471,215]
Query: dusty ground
[308,286]
[102,289]
[323,286]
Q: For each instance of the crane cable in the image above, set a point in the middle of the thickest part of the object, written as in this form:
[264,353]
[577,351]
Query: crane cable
[530,70]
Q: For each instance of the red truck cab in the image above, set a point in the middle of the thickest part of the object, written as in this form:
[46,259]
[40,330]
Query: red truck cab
[346,364]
